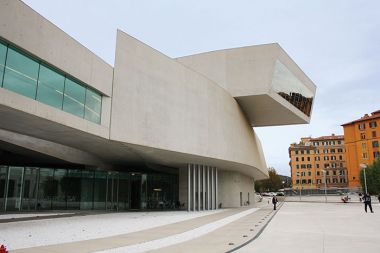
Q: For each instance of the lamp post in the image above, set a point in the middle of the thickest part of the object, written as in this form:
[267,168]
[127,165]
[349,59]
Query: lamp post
[299,182]
[364,166]
[324,176]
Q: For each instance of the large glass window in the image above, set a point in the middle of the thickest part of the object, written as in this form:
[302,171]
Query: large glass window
[21,73]
[46,189]
[50,87]
[93,106]
[30,189]
[3,184]
[74,99]
[3,53]
[288,86]
[27,76]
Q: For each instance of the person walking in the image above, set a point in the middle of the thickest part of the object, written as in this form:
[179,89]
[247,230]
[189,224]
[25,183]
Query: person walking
[367,202]
[274,202]
[378,197]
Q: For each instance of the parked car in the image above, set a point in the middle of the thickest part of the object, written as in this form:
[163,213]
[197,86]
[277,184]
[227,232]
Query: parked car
[280,194]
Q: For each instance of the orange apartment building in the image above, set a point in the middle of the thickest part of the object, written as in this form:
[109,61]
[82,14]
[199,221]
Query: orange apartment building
[361,139]
[314,160]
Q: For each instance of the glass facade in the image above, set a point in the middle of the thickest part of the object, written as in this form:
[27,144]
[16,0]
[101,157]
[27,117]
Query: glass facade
[290,88]
[32,188]
[27,76]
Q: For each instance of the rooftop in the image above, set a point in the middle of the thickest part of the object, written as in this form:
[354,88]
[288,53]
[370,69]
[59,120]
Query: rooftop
[374,115]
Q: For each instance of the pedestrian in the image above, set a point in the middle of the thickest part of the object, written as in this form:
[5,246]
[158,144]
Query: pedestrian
[274,202]
[360,196]
[367,202]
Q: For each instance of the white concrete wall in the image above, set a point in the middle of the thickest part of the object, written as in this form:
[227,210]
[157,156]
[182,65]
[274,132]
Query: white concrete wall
[24,27]
[160,103]
[230,184]
[28,30]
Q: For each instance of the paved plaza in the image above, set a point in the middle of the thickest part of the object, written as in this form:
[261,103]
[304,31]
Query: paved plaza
[296,227]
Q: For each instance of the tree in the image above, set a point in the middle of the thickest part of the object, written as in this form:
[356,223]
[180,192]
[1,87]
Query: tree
[273,183]
[372,176]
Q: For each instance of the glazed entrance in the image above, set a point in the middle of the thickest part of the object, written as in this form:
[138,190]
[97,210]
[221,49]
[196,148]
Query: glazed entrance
[33,188]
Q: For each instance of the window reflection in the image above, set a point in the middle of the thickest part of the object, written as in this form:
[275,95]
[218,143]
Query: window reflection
[290,88]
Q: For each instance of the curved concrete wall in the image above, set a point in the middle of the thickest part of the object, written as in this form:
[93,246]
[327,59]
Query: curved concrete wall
[159,103]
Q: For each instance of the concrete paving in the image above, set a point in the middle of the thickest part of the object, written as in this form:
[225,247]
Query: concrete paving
[320,227]
[314,227]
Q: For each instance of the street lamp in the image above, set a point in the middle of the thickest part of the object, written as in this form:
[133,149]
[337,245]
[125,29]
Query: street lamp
[324,176]
[364,166]
[299,183]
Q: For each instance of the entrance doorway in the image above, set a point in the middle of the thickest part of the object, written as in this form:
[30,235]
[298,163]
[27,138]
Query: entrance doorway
[112,191]
[135,191]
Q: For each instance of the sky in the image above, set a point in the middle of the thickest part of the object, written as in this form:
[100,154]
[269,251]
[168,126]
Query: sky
[336,43]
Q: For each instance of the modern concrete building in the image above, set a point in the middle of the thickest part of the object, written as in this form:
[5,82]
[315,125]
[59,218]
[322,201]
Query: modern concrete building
[150,132]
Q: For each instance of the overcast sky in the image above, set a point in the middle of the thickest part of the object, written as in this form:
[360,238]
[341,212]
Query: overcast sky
[336,43]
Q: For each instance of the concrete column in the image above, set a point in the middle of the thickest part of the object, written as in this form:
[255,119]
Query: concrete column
[193,187]
[203,188]
[199,187]
[212,189]
[188,187]
[207,190]
[216,189]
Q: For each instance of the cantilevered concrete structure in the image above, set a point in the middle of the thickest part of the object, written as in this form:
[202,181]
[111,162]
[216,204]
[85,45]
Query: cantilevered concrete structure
[149,132]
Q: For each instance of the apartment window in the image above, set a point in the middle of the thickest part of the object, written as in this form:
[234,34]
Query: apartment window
[332,150]
[302,152]
[296,152]
[364,146]
[339,142]
[309,173]
[326,165]
[303,159]
[325,158]
[319,181]
[296,159]
[29,77]
[365,156]
[376,154]
[317,151]
[309,181]
[340,157]
[325,151]
[297,166]
[362,136]
[373,132]
[303,166]
[342,180]
[375,144]
[372,124]
[327,172]
[361,126]
[297,181]
[318,173]
[308,159]
[307,151]
[333,158]
[317,166]
[340,150]
[334,172]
